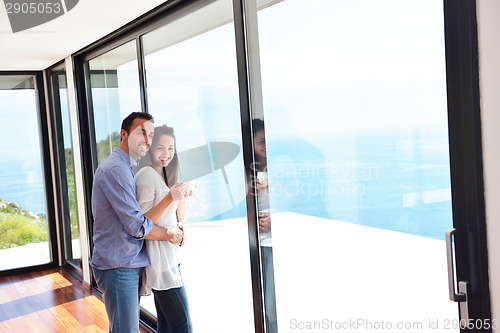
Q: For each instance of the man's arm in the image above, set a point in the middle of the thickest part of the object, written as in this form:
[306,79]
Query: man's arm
[117,186]
[173,234]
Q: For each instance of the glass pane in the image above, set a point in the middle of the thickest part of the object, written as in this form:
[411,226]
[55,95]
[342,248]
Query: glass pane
[192,86]
[59,91]
[114,80]
[358,171]
[23,222]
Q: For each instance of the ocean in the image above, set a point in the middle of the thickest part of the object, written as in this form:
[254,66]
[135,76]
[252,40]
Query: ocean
[397,181]
[23,184]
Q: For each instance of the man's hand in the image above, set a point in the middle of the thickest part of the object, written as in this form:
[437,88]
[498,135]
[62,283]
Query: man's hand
[183,234]
[176,235]
[264,222]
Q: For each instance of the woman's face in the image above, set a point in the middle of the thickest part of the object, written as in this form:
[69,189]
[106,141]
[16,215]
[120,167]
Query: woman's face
[259,143]
[164,151]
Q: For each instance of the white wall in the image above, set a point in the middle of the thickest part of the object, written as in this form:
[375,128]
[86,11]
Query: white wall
[488,12]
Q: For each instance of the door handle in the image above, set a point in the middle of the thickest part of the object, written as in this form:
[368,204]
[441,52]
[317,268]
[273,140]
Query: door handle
[450,256]
[463,286]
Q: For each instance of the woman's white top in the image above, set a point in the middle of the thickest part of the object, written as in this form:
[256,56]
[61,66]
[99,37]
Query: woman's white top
[163,273]
[263,205]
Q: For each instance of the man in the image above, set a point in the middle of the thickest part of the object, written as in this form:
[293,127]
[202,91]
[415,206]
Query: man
[120,228]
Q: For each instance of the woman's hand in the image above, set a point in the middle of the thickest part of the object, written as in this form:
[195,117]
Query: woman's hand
[178,192]
[261,187]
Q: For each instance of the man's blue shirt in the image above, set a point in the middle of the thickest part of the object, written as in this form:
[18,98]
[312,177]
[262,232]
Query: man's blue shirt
[119,226]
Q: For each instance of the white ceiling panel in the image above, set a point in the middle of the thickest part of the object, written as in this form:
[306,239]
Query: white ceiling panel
[42,46]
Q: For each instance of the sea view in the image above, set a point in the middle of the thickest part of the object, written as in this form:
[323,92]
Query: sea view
[395,181]
[23,184]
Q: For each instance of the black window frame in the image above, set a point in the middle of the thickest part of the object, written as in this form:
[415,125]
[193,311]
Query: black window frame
[61,182]
[466,158]
[43,124]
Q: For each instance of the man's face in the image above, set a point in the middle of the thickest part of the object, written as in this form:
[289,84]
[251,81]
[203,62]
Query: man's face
[140,137]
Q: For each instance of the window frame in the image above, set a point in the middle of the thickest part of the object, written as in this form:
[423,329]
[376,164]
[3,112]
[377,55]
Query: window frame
[43,121]
[59,166]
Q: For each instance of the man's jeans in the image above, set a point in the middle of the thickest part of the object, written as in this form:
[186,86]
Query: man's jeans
[120,291]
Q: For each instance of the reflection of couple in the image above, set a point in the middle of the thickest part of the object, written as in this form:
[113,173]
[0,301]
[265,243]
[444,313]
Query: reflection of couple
[266,247]
[119,255]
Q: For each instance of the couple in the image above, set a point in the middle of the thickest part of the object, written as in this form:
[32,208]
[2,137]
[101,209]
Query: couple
[129,209]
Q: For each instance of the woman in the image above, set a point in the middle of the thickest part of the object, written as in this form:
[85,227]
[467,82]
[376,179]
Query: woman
[156,177]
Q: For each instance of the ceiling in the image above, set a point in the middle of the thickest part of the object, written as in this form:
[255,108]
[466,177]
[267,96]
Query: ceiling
[44,45]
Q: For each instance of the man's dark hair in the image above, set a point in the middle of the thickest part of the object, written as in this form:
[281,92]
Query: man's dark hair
[127,122]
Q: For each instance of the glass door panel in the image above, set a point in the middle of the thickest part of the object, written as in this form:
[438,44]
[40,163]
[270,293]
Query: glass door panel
[23,211]
[60,105]
[114,81]
[356,155]
[192,86]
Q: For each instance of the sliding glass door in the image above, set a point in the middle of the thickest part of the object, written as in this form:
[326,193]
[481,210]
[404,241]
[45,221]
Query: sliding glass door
[66,177]
[192,86]
[355,165]
[114,85]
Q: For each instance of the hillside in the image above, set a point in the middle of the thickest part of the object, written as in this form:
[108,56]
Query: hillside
[20,227]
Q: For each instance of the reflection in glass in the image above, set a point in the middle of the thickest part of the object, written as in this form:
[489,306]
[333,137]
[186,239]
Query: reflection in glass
[265,232]
[23,222]
[115,94]
[60,104]
[192,86]
[356,130]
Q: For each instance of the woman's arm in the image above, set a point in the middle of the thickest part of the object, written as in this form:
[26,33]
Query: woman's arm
[176,193]
[146,197]
[147,188]
[157,211]
[181,210]
[173,234]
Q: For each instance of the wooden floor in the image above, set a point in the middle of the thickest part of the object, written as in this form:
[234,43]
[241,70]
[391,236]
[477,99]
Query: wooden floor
[49,301]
